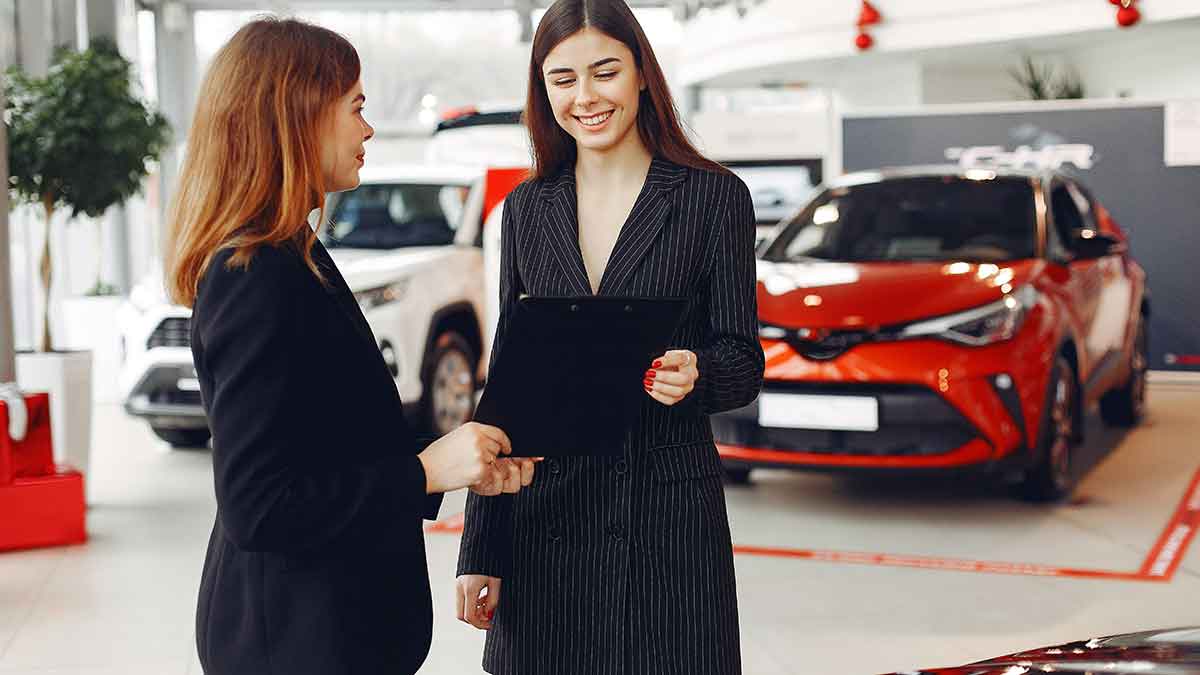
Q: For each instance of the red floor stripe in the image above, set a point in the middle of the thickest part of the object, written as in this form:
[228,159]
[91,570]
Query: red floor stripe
[934,563]
[1164,559]
[1160,565]
[451,525]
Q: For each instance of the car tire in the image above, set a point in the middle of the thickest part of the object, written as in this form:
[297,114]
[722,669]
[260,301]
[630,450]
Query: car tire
[1051,477]
[183,438]
[736,475]
[448,397]
[1125,406]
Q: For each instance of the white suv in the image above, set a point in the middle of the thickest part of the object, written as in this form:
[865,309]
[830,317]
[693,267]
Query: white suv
[409,242]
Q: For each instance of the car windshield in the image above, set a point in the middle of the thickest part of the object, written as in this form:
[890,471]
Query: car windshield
[914,219]
[382,216]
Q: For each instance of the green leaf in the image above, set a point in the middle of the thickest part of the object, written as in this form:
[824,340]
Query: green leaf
[79,135]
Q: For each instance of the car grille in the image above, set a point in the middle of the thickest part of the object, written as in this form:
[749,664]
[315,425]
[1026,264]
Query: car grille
[176,397]
[173,332]
[913,422]
[830,345]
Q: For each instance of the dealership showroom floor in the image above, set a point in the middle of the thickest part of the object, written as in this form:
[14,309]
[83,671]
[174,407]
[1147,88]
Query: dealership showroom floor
[835,576]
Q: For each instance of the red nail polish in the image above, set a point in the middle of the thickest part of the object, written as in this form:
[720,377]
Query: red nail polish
[657,364]
[651,373]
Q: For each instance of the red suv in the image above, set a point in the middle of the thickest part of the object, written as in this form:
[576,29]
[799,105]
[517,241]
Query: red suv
[943,318]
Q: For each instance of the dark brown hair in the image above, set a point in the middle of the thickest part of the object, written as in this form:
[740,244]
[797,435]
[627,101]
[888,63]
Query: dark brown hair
[658,119]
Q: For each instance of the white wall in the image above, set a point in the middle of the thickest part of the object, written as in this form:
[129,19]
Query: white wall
[894,82]
[1164,65]
[972,84]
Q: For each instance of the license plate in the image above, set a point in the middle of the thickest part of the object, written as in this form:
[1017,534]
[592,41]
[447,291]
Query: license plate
[188,384]
[807,411]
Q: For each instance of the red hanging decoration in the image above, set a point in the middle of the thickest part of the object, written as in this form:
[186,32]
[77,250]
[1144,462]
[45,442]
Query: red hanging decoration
[869,16]
[1128,13]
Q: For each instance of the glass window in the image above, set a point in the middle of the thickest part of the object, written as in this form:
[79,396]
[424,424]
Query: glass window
[914,219]
[397,216]
[1067,219]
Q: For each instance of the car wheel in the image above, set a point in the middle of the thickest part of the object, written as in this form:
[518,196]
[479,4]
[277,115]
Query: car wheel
[1124,407]
[1051,478]
[737,475]
[449,396]
[183,438]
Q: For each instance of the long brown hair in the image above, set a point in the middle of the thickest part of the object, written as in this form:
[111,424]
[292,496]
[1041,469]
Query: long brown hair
[658,119]
[252,173]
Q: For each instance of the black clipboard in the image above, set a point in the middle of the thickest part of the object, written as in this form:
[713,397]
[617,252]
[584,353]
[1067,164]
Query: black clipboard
[568,380]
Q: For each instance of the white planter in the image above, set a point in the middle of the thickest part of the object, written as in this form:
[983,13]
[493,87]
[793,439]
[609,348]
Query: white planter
[66,376]
[90,324]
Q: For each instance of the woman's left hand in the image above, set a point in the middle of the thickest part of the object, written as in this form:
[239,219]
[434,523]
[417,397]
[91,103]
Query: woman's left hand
[672,377]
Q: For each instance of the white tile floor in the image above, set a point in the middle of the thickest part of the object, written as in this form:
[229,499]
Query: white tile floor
[123,603]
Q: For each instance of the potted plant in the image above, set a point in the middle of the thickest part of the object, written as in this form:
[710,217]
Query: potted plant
[78,139]
[1038,82]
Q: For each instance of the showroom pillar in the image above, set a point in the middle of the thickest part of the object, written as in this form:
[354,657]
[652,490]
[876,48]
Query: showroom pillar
[524,10]
[8,371]
[68,29]
[175,54]
[117,21]
[7,367]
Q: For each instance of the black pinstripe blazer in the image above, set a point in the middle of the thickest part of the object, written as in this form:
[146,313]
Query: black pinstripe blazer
[623,565]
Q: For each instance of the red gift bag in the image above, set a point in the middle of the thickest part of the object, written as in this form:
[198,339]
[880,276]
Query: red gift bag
[32,456]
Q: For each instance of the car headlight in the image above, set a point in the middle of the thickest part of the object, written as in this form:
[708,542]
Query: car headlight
[771,332]
[384,295]
[991,323]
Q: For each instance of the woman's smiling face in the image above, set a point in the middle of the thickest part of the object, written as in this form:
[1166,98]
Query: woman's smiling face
[593,86]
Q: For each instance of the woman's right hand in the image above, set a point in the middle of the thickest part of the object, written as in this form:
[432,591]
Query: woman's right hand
[472,608]
[517,473]
[465,457]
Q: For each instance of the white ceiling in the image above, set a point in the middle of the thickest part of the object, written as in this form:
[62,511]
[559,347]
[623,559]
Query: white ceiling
[421,5]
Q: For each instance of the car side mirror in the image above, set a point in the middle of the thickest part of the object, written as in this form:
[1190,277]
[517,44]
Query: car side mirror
[1091,244]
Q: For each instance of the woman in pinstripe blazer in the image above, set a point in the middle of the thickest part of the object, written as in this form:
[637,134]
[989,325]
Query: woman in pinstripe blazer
[620,565]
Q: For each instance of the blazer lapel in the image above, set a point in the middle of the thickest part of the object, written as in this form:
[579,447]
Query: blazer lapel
[561,226]
[645,221]
[341,294]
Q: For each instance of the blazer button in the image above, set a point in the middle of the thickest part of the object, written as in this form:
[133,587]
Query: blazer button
[621,468]
[553,464]
[554,533]
[616,532]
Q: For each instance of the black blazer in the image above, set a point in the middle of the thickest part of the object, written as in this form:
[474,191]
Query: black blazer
[316,562]
[623,565]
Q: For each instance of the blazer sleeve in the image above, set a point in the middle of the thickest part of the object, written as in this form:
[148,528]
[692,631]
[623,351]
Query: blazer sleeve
[433,501]
[731,361]
[251,334]
[487,528]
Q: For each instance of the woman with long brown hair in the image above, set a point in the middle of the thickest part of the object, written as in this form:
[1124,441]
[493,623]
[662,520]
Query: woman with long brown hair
[620,564]
[316,563]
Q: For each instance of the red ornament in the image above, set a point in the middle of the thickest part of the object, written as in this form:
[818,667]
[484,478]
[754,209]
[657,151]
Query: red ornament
[869,16]
[1128,16]
[864,41]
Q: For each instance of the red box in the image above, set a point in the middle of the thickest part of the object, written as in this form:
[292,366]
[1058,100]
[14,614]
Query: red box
[34,455]
[43,511]
[39,505]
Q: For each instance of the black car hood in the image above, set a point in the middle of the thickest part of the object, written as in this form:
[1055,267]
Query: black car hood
[1161,652]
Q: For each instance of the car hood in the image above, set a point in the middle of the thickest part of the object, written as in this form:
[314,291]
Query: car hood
[841,295]
[1162,652]
[366,268]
